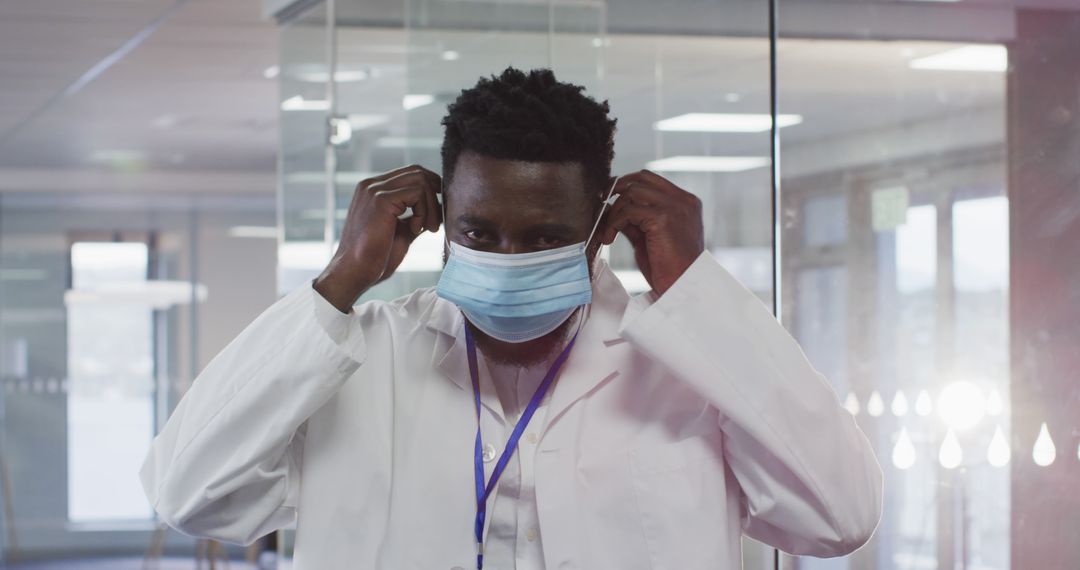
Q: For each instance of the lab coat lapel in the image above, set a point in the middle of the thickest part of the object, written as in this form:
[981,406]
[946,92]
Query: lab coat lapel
[598,348]
[591,362]
[453,363]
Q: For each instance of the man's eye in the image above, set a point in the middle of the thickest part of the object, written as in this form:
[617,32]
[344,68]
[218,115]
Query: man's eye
[476,235]
[548,241]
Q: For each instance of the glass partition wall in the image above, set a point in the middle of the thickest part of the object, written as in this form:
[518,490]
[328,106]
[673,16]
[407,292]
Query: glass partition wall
[391,85]
[926,209]
[895,281]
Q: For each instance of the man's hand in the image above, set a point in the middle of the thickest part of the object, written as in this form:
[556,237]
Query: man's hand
[662,222]
[374,239]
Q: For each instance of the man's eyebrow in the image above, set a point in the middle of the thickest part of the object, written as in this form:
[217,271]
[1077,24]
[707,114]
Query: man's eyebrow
[470,220]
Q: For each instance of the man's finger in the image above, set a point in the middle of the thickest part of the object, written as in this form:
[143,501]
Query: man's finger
[629,214]
[642,193]
[665,185]
[394,173]
[407,178]
[434,212]
[399,200]
[419,212]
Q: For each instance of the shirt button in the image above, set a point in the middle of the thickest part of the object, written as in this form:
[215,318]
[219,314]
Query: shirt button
[489,453]
[531,534]
[532,438]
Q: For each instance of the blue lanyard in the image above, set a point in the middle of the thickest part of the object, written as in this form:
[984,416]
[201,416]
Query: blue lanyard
[483,493]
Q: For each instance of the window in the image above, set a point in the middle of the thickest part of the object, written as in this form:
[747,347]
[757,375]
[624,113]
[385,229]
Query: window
[111,370]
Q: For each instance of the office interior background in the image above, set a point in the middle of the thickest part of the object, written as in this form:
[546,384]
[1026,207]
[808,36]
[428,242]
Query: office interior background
[168,169]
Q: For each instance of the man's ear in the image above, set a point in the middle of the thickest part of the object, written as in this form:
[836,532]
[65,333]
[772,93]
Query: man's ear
[602,193]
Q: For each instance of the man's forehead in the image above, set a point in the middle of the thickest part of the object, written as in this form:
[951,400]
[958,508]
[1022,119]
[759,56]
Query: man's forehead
[475,172]
[553,218]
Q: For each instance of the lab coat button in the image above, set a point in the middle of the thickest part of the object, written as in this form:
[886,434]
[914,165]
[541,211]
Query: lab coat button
[489,453]
[531,534]
[532,438]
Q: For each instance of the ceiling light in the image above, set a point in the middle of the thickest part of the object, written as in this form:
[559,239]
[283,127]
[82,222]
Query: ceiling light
[967,58]
[320,214]
[347,177]
[450,55]
[351,76]
[271,72]
[360,122]
[254,232]
[412,101]
[298,103]
[707,163]
[409,142]
[158,294]
[309,75]
[117,155]
[725,122]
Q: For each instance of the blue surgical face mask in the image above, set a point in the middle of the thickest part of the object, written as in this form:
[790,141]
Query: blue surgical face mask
[516,297]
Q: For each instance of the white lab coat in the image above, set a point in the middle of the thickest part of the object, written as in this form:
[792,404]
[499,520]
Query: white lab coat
[677,425]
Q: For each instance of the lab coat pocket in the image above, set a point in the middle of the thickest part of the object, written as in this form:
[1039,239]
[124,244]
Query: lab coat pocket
[607,526]
[681,495]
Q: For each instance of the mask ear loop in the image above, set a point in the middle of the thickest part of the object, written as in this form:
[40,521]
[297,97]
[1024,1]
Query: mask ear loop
[442,206]
[610,199]
[603,208]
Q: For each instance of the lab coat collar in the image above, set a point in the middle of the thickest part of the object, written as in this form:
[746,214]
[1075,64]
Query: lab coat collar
[590,363]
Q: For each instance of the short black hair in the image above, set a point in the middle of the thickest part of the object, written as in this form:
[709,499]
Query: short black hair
[531,117]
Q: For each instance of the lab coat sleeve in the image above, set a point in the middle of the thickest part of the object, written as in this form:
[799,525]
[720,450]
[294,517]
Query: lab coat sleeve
[226,465]
[810,482]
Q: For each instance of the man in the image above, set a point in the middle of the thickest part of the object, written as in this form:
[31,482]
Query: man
[525,413]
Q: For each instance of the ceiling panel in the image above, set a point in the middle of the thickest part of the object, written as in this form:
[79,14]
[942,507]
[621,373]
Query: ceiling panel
[192,96]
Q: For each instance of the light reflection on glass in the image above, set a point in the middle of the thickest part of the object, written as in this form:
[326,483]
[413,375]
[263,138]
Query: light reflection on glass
[875,406]
[851,404]
[1044,451]
[998,454]
[994,406]
[903,455]
[924,406]
[961,404]
[899,404]
[951,454]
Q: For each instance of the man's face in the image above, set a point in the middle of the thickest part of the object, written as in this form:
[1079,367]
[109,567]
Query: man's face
[511,206]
